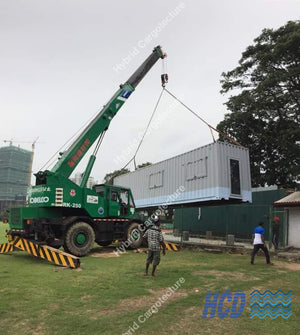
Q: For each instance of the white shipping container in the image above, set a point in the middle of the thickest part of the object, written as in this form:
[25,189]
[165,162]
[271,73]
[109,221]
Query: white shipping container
[217,171]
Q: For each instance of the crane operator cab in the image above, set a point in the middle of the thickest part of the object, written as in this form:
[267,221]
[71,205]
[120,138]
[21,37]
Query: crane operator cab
[119,200]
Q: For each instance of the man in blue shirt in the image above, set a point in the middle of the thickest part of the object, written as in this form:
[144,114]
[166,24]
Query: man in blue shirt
[259,243]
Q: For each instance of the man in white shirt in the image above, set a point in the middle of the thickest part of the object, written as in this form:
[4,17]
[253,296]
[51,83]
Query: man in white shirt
[259,243]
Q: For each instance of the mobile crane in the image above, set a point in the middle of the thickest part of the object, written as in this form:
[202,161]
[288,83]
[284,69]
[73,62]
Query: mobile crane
[62,213]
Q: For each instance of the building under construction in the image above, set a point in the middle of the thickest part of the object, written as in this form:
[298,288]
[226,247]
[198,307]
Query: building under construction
[15,166]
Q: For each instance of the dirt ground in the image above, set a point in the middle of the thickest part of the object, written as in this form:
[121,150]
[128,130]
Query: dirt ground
[289,266]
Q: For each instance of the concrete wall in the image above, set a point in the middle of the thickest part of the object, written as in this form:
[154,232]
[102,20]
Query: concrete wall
[294,227]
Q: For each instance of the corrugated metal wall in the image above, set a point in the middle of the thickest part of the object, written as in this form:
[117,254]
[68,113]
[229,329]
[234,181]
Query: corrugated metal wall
[239,219]
[204,173]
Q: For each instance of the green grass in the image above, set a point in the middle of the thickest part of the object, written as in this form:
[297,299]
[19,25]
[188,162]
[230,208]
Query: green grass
[109,294]
[3,227]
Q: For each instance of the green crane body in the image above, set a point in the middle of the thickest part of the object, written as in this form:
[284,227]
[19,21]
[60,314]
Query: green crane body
[59,212]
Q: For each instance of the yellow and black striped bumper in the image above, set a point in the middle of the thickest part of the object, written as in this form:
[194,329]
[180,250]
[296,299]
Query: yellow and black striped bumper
[171,246]
[6,247]
[50,254]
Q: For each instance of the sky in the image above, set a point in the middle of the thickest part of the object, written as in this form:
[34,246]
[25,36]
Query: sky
[62,60]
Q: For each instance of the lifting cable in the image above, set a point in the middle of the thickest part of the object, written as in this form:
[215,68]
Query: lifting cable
[164,78]
[53,158]
[211,128]
[199,117]
[212,135]
[145,132]
[99,143]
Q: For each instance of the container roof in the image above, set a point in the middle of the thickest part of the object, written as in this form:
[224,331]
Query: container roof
[227,144]
[291,200]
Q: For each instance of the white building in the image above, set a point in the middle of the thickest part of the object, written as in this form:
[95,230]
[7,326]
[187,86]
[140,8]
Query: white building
[292,204]
[78,177]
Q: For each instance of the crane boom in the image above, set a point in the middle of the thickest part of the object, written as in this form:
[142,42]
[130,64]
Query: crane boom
[71,158]
[60,212]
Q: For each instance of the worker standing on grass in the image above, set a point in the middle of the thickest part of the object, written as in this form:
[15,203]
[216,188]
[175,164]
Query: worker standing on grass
[155,240]
[259,243]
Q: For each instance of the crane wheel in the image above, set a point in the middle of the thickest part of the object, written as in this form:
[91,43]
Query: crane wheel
[79,239]
[135,235]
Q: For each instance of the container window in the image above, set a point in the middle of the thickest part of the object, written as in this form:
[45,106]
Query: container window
[156,179]
[235,179]
[196,169]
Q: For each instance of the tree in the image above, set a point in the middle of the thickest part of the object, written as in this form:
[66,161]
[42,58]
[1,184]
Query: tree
[143,165]
[109,177]
[265,105]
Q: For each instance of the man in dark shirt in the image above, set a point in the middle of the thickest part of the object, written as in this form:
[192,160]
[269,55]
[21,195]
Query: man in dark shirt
[275,229]
[155,240]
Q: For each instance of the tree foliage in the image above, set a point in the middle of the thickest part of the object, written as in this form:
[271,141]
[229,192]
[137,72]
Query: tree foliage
[265,105]
[109,177]
[143,165]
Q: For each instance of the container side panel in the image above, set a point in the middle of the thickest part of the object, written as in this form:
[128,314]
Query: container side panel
[203,174]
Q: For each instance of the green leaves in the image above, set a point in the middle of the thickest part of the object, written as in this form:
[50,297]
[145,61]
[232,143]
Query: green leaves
[265,105]
[109,177]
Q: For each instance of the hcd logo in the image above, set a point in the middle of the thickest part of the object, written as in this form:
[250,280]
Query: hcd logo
[270,304]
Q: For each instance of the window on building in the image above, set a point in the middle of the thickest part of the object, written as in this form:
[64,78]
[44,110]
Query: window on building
[156,179]
[235,181]
[196,169]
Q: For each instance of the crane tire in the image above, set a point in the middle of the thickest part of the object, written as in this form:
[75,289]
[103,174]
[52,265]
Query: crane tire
[79,239]
[135,235]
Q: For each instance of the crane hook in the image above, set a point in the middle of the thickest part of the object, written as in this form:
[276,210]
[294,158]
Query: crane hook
[164,79]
